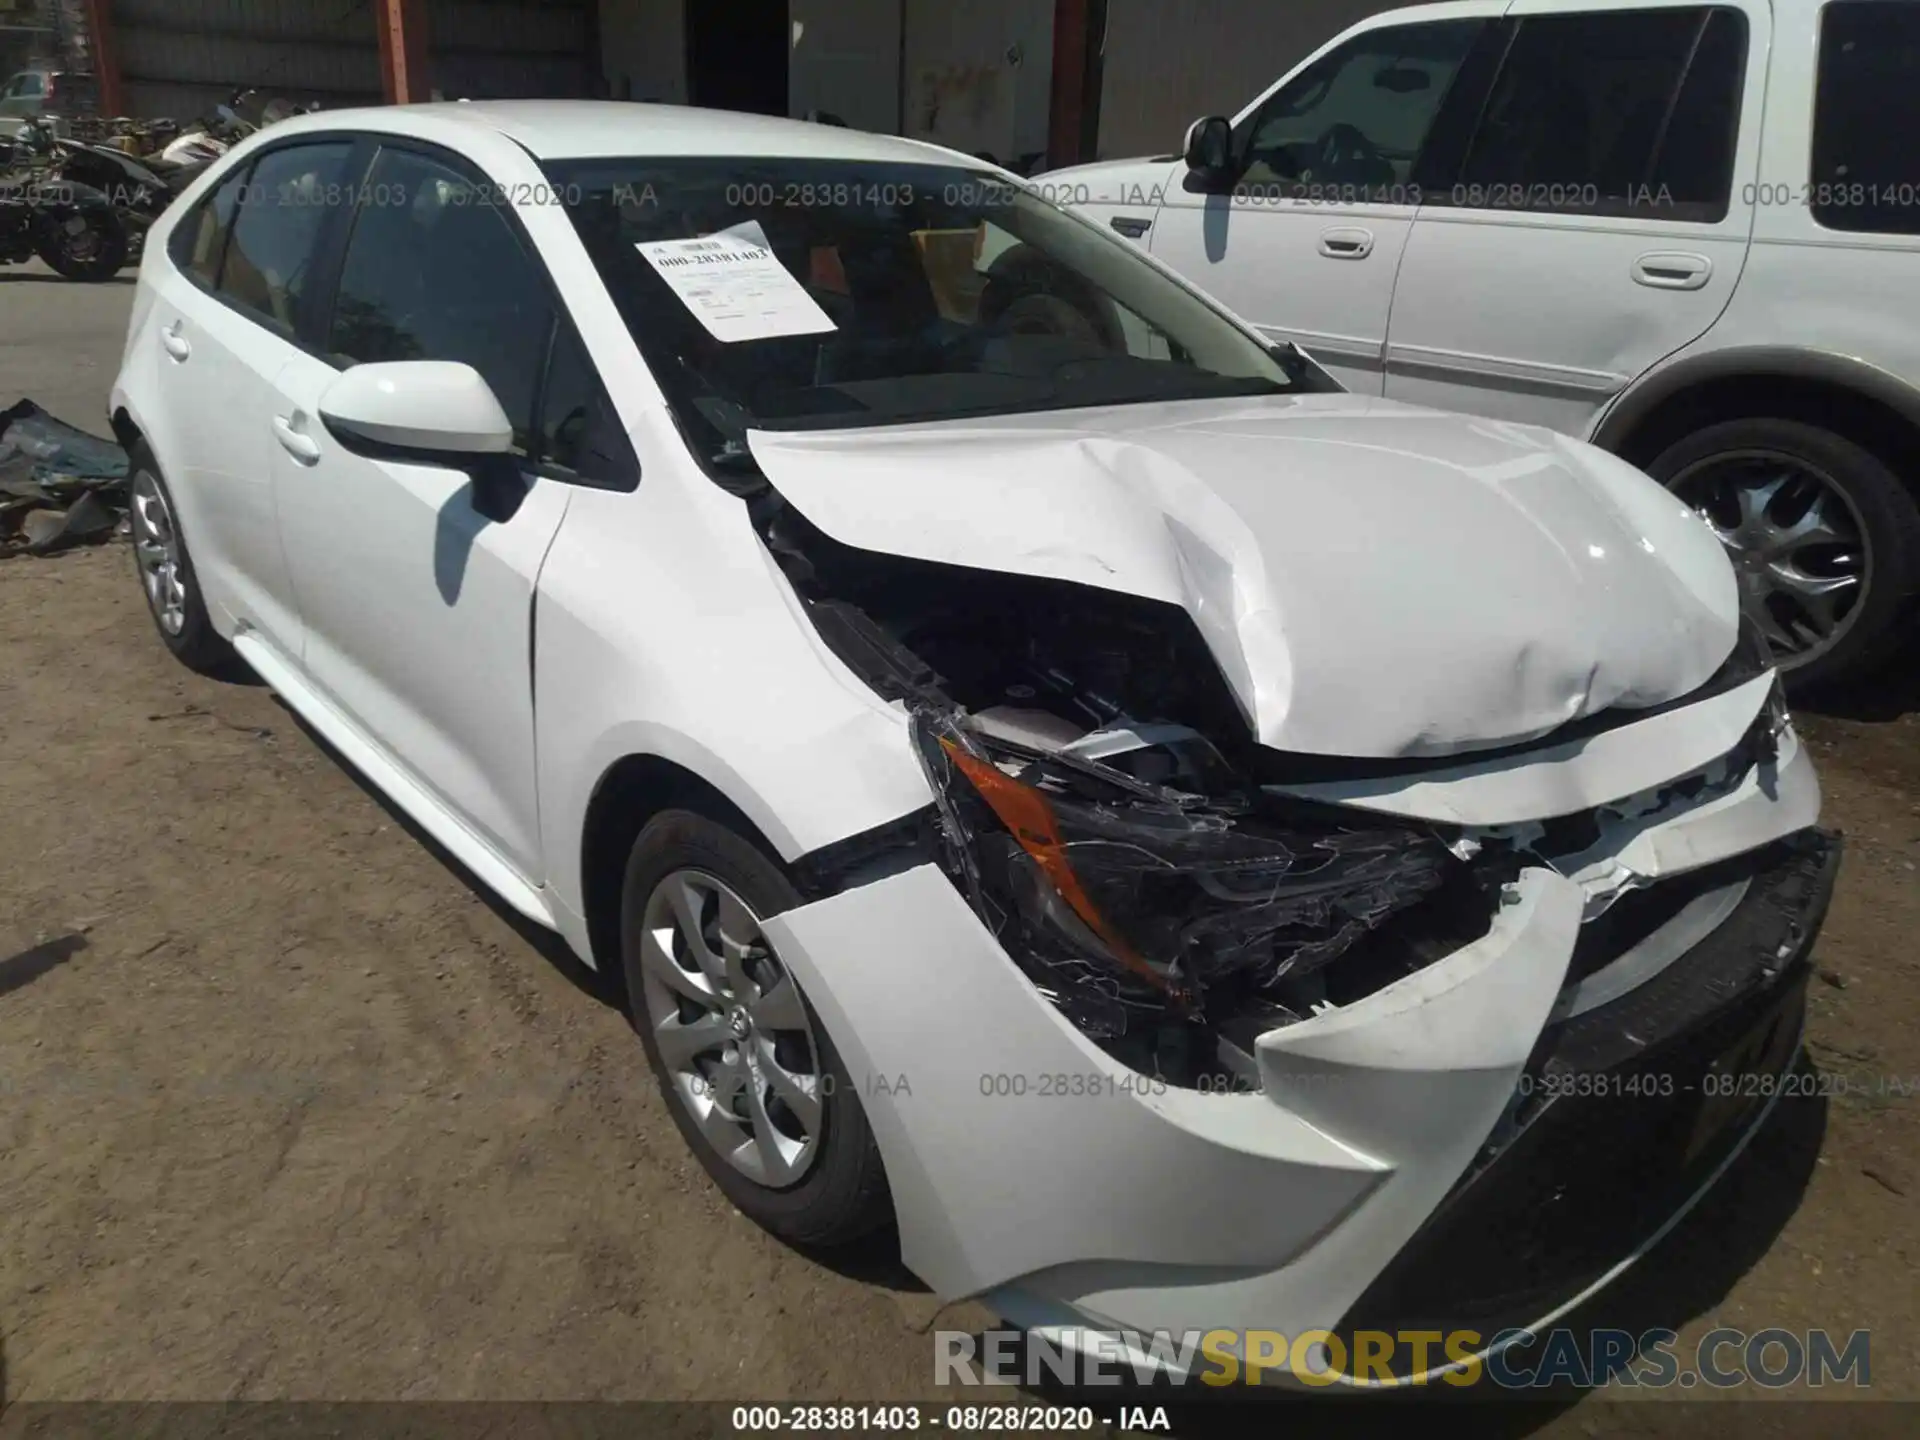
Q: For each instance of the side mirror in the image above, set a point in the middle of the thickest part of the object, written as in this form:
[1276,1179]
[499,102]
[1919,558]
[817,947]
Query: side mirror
[1209,149]
[425,409]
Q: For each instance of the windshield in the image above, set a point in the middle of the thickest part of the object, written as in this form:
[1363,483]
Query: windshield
[781,294]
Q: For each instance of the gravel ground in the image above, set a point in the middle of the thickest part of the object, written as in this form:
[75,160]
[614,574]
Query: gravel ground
[289,1109]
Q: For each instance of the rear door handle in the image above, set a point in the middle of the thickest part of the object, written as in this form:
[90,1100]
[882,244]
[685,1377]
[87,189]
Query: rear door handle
[303,448]
[1131,226]
[1346,242]
[174,343]
[1672,270]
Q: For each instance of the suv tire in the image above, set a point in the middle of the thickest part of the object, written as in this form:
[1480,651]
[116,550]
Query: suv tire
[1714,467]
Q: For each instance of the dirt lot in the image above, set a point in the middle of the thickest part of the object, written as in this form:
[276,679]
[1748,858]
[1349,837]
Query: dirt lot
[289,1110]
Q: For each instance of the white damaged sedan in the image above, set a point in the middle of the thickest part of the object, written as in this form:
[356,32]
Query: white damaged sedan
[1197,848]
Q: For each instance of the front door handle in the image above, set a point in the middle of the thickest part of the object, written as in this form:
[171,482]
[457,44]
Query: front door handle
[1672,270]
[303,448]
[174,343]
[1346,242]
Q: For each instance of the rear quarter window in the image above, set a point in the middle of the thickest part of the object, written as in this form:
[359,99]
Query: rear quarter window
[200,239]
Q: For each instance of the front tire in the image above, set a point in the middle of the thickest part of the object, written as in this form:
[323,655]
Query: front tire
[1823,535]
[745,1067]
[165,569]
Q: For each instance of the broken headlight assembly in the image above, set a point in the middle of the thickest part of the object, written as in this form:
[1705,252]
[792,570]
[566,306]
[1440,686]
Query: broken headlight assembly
[1156,919]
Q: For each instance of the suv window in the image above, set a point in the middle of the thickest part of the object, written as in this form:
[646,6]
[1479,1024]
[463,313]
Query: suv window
[1358,116]
[434,271]
[1628,111]
[200,241]
[1865,115]
[282,205]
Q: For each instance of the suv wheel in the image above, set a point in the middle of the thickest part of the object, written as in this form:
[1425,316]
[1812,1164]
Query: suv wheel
[1823,536]
[744,1064]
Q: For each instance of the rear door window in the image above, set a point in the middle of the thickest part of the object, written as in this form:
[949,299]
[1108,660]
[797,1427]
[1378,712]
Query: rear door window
[283,204]
[1866,116]
[1613,112]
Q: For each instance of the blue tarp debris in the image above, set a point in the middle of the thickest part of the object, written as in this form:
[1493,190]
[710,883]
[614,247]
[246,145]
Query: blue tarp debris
[59,486]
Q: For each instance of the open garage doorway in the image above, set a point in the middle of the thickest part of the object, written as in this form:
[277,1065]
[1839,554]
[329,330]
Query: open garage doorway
[737,55]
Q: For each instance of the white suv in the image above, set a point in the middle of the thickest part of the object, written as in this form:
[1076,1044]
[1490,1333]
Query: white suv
[1689,233]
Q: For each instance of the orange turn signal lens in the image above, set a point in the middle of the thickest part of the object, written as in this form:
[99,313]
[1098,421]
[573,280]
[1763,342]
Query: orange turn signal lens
[1030,820]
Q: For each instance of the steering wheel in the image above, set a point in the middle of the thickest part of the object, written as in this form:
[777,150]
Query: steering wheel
[1344,152]
[1025,295]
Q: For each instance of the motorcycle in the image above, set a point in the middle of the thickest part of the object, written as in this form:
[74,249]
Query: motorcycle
[139,193]
[73,227]
[133,191]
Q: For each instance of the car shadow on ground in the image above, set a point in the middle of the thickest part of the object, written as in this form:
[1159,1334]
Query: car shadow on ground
[19,971]
[546,943]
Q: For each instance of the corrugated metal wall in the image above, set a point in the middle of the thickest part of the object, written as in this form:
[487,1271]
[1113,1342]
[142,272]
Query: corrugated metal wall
[180,57]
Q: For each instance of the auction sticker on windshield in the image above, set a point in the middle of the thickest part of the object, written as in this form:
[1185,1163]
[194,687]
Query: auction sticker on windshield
[737,289]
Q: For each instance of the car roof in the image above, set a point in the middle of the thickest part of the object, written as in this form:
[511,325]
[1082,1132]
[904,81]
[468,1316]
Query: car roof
[581,129]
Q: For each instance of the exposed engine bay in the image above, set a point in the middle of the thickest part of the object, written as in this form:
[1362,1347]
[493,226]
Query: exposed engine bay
[1102,805]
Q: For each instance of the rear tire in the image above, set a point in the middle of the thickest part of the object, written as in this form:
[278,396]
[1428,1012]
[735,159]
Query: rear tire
[837,1189]
[96,254]
[1709,469]
[165,570]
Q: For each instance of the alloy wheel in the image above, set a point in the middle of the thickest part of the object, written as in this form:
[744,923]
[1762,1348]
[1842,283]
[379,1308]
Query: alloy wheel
[1799,549]
[731,1029]
[156,550]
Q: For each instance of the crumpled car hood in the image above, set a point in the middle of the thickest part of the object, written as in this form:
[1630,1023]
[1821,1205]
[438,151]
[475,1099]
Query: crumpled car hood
[1375,580]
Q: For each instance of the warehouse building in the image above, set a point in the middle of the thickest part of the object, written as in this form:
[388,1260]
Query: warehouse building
[1062,79]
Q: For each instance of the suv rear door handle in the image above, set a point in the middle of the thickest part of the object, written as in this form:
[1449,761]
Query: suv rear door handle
[1131,226]
[1346,242]
[174,343]
[1672,270]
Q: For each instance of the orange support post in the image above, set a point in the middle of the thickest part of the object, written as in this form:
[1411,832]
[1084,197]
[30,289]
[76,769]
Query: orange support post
[1070,42]
[403,50]
[106,57]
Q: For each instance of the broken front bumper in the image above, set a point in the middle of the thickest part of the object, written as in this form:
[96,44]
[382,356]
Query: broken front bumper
[1625,1115]
[1029,1167]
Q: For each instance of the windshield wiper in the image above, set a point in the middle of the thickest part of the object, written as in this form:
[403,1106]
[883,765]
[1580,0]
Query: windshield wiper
[732,420]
